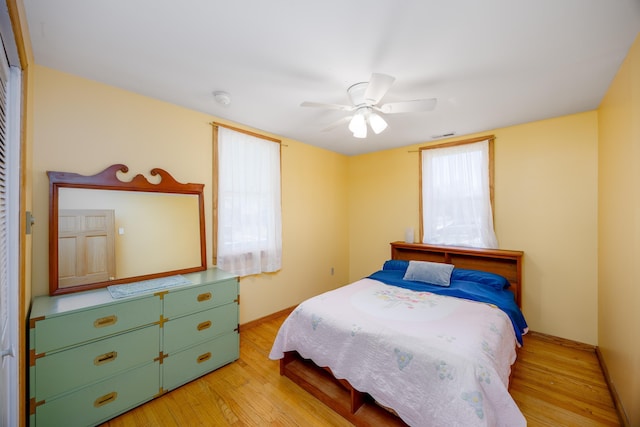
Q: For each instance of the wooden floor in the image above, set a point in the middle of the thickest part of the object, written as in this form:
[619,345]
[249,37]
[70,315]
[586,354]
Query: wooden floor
[556,383]
[553,384]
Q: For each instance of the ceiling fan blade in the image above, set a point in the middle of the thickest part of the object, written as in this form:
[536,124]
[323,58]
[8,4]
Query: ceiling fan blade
[337,123]
[415,106]
[329,106]
[378,87]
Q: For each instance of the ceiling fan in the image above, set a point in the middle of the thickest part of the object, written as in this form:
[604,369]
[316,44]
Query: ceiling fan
[367,110]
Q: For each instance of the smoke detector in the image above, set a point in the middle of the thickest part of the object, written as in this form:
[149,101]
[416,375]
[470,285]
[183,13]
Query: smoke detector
[222,98]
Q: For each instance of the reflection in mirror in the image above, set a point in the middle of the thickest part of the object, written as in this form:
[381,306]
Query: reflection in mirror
[86,249]
[163,227]
[105,231]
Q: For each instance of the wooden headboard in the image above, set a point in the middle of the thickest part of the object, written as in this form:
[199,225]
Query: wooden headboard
[503,262]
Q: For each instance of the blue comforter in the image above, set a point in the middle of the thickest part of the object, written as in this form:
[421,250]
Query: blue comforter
[475,291]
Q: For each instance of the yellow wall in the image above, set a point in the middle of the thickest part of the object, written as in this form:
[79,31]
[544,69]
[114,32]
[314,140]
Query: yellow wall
[619,232]
[545,205]
[341,212]
[82,126]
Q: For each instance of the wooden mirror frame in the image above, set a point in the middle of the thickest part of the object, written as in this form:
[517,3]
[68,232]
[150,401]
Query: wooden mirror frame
[108,180]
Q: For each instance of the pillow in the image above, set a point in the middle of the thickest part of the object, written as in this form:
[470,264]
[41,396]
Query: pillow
[492,280]
[434,273]
[396,264]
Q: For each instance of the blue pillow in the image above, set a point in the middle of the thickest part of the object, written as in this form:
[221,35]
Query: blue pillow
[396,264]
[492,280]
[434,273]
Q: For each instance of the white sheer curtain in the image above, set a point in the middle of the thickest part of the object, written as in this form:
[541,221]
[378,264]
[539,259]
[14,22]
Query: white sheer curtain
[249,209]
[456,200]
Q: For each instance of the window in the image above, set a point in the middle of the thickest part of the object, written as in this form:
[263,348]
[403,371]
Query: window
[456,193]
[247,208]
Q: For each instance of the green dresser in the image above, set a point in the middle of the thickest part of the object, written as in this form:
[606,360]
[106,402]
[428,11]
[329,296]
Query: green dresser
[92,357]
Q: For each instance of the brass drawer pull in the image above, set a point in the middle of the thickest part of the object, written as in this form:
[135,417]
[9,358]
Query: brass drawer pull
[204,297]
[105,358]
[204,325]
[204,357]
[105,321]
[103,400]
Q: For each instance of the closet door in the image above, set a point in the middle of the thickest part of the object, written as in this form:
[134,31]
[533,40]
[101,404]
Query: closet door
[9,239]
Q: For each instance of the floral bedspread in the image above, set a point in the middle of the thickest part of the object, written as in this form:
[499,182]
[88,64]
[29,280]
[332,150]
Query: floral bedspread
[435,360]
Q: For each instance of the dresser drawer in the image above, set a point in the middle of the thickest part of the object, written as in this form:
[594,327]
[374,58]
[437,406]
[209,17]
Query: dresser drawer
[101,401]
[58,332]
[179,303]
[66,370]
[189,364]
[202,326]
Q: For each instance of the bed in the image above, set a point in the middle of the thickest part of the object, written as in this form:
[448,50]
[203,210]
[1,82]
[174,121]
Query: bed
[388,351]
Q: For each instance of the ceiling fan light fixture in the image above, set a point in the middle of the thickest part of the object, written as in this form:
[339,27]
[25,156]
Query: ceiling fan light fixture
[377,123]
[366,100]
[358,125]
[362,133]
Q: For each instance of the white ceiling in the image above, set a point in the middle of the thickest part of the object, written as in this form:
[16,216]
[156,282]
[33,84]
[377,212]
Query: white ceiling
[490,63]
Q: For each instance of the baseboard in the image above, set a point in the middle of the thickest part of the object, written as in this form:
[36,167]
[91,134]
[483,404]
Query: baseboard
[577,345]
[267,318]
[622,415]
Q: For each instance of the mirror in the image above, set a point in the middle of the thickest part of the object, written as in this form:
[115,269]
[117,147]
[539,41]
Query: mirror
[104,231]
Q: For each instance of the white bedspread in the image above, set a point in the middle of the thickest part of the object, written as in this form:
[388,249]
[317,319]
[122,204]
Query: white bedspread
[436,360]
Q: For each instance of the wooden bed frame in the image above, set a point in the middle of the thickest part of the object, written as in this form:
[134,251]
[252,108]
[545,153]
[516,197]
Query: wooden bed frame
[358,407]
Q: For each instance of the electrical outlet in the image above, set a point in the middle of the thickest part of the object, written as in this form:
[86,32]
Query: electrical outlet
[332,271]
